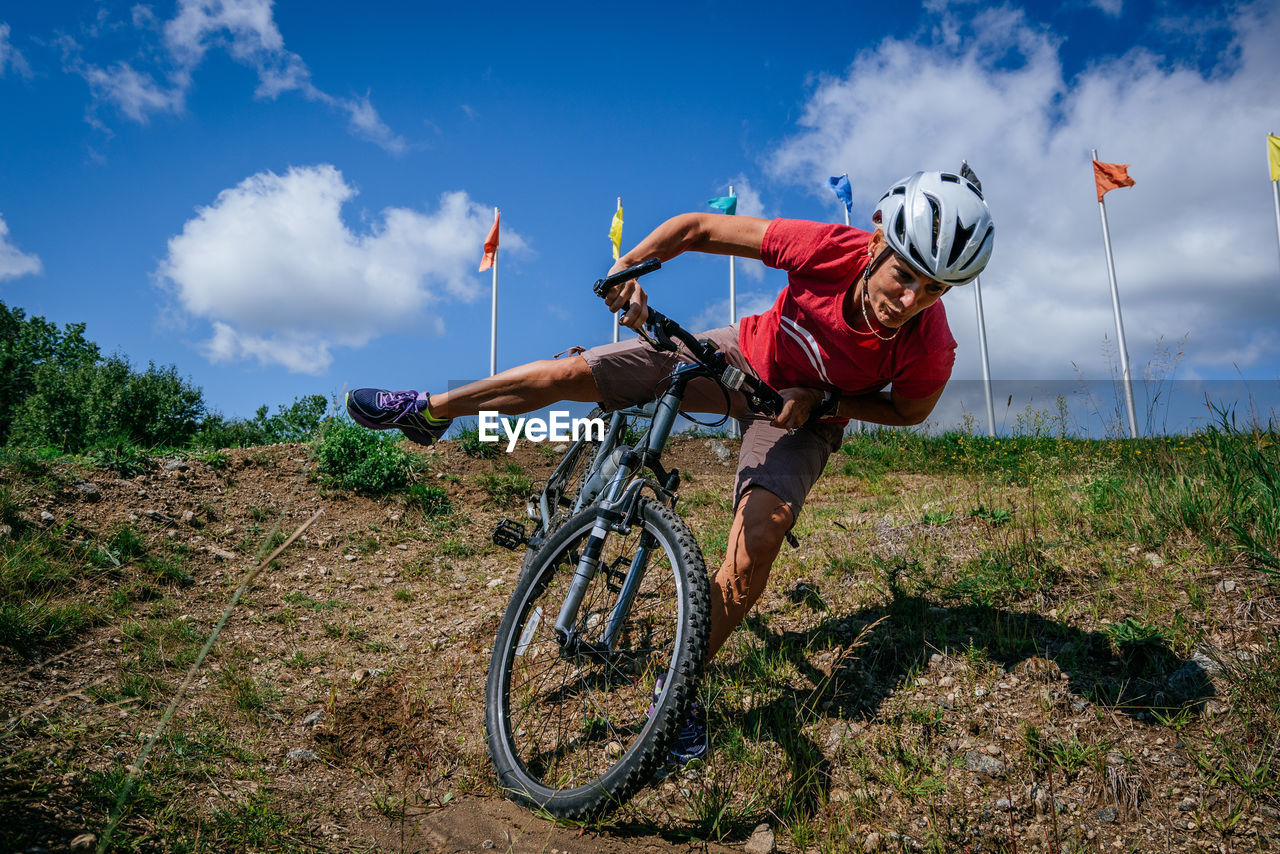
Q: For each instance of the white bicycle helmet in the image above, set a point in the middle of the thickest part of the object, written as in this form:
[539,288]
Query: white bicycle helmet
[939,223]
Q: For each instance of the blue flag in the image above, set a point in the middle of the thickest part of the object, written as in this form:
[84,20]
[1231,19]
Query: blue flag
[728,204]
[843,189]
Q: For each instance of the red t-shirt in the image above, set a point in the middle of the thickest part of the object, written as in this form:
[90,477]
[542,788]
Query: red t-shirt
[804,341]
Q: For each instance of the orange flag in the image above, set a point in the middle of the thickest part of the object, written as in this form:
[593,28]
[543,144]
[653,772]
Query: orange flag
[490,245]
[1110,176]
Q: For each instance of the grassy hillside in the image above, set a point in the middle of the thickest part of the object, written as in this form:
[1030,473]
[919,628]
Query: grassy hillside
[1022,644]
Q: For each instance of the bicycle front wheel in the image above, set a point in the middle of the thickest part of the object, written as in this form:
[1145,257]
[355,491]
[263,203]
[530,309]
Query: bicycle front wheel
[577,729]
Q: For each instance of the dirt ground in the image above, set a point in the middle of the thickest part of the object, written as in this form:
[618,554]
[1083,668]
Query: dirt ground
[341,707]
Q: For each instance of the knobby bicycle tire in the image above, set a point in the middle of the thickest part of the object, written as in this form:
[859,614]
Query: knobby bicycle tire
[578,734]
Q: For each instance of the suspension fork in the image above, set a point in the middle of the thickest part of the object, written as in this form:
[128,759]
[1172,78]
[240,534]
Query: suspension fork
[630,586]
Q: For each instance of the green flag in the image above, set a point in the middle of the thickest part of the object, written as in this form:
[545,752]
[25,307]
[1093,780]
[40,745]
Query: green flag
[728,204]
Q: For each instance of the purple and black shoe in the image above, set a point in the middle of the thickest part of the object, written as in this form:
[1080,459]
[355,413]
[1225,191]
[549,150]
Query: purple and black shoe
[406,411]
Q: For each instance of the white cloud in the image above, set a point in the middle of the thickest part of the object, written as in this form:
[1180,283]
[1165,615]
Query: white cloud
[10,56]
[1194,240]
[135,94]
[13,261]
[282,279]
[247,31]
[1108,7]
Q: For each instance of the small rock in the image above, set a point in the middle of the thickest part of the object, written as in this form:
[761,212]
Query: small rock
[301,755]
[1107,815]
[6,531]
[402,547]
[1226,586]
[176,465]
[979,691]
[761,841]
[487,845]
[84,842]
[314,718]
[1038,669]
[1004,805]
[349,557]
[46,517]
[873,843]
[946,682]
[88,491]
[1188,804]
[992,749]
[980,763]
[494,582]
[188,516]
[1154,560]
[723,454]
[222,554]
[364,674]
[614,749]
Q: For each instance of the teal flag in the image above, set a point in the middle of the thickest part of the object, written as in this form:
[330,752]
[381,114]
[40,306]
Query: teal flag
[728,204]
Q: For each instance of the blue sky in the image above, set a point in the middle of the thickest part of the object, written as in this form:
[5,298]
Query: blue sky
[286,199]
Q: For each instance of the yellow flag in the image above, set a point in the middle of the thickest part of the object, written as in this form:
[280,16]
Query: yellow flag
[615,231]
[1273,154]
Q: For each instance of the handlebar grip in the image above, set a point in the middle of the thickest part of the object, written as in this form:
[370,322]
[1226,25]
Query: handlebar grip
[644,268]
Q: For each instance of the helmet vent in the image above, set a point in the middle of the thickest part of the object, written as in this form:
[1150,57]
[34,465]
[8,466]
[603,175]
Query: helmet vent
[936,210]
[961,241]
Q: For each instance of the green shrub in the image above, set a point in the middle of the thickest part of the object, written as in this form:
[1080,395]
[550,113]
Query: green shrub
[350,457]
[83,405]
[124,459]
[297,422]
[431,500]
[506,486]
[469,442]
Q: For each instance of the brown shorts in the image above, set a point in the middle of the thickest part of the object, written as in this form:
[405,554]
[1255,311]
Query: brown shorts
[631,373]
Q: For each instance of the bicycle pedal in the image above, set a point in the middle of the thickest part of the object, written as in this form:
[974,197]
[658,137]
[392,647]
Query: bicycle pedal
[510,535]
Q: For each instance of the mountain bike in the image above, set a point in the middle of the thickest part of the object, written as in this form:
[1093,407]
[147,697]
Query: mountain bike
[601,648]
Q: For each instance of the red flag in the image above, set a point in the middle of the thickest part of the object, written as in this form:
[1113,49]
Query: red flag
[1110,176]
[491,245]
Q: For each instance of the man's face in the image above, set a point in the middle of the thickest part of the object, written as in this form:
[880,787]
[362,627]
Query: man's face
[896,292]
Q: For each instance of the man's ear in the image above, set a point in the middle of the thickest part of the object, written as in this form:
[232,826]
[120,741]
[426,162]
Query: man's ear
[877,240]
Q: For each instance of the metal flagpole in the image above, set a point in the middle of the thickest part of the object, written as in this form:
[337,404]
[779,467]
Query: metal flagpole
[615,314]
[1115,305]
[493,322]
[1275,192]
[734,432]
[846,208]
[733,286]
[967,172]
[986,364]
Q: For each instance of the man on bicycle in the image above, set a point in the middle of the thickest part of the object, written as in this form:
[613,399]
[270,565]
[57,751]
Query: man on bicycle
[858,333]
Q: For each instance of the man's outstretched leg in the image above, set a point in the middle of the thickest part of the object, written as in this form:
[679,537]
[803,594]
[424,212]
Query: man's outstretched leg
[424,417]
[759,527]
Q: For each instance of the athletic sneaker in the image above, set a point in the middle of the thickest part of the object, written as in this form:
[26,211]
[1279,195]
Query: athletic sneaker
[692,742]
[406,411]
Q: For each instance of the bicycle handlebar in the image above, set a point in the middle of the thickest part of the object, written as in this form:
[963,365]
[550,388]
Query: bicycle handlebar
[760,396]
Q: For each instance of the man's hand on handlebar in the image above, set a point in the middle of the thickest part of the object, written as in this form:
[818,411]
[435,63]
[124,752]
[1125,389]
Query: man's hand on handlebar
[629,293]
[798,405]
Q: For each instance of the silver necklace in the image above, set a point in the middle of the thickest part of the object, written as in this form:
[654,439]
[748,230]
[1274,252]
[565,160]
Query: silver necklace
[867,318]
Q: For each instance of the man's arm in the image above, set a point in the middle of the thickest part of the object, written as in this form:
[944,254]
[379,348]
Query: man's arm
[692,232]
[888,408]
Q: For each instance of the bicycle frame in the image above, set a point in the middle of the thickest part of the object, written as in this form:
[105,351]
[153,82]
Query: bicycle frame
[616,510]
